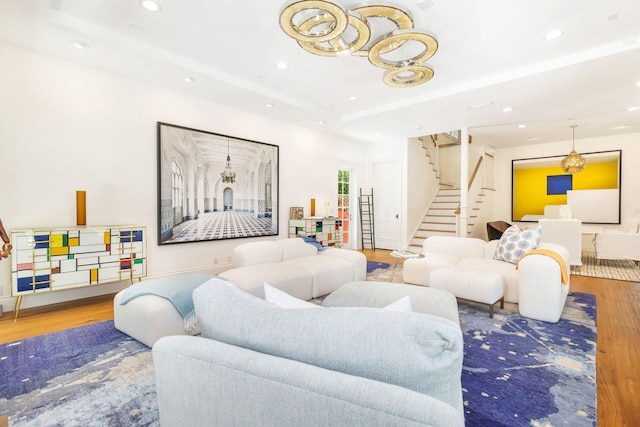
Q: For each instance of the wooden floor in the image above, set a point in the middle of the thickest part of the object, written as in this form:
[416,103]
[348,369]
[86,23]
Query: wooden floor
[618,346]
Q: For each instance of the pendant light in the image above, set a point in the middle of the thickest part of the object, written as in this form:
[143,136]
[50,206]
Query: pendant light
[574,162]
[228,176]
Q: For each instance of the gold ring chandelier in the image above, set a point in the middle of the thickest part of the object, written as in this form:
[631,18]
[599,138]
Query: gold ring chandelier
[327,28]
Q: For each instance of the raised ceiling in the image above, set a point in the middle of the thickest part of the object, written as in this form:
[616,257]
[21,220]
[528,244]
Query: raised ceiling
[492,54]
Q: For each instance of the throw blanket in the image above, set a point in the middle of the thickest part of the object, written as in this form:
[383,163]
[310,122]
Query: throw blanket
[563,267]
[177,289]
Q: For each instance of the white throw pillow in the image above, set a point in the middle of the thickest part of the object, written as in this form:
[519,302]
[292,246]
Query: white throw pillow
[284,300]
[403,304]
[514,243]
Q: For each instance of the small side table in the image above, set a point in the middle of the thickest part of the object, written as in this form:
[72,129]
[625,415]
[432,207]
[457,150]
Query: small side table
[402,255]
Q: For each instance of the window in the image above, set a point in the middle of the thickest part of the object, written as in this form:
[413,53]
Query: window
[177,185]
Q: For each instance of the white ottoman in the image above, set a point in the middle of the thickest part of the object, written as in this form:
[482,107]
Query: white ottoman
[472,285]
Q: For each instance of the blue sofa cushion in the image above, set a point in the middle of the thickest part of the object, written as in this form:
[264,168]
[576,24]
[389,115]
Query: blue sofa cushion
[412,350]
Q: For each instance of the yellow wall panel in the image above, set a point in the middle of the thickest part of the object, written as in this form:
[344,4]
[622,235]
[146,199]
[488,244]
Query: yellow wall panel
[74,241]
[597,176]
[107,237]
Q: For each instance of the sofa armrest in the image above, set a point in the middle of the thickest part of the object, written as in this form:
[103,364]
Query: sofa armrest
[203,382]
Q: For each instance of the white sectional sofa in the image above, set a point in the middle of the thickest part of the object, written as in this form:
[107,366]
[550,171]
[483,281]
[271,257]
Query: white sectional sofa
[342,366]
[538,276]
[294,266]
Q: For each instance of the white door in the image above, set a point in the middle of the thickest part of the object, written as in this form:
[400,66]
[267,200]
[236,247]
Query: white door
[387,197]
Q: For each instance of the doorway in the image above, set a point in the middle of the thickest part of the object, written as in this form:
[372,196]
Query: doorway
[387,188]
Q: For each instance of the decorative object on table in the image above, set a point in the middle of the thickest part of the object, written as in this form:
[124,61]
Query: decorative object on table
[81,208]
[55,259]
[574,162]
[233,203]
[554,362]
[593,195]
[313,207]
[325,28]
[7,246]
[296,212]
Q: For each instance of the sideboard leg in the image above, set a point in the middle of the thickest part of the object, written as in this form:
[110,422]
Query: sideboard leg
[16,309]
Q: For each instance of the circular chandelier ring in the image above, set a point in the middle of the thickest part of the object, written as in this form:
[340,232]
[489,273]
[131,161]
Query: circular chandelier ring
[397,38]
[400,17]
[337,46]
[408,75]
[335,10]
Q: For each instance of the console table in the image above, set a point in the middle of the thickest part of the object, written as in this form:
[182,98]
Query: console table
[54,259]
[327,231]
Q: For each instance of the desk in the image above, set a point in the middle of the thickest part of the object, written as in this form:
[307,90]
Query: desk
[402,255]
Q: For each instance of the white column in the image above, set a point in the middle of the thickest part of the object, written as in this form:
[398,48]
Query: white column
[464,181]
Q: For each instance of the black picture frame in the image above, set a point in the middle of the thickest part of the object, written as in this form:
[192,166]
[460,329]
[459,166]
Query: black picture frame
[597,200]
[196,203]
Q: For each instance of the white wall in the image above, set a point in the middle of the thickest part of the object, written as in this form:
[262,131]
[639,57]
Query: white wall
[628,143]
[422,185]
[65,127]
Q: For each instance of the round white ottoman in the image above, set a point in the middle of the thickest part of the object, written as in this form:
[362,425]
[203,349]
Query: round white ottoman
[473,285]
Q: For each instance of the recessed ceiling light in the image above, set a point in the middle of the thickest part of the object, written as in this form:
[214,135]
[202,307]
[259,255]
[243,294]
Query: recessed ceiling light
[269,105]
[78,44]
[633,108]
[150,5]
[322,122]
[419,127]
[507,109]
[522,126]
[189,79]
[482,104]
[553,34]
[378,134]
[638,83]
[621,127]
[282,65]
[535,138]
[352,98]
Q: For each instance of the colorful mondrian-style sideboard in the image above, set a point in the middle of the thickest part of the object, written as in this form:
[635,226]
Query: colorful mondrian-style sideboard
[54,259]
[327,231]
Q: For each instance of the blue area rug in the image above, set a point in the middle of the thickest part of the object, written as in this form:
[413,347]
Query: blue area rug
[93,375]
[517,372]
[372,266]
[522,372]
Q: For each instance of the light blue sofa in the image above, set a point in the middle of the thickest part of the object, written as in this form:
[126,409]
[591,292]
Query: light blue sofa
[260,365]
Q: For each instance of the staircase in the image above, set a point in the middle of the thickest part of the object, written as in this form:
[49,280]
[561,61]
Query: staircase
[440,219]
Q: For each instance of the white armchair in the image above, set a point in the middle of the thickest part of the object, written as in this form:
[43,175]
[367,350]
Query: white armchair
[565,232]
[623,244]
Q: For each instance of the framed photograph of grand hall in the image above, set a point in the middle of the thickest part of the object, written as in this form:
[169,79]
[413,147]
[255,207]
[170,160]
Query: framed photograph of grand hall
[213,186]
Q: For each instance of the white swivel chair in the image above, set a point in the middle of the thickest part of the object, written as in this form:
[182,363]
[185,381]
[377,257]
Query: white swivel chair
[565,232]
[622,244]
